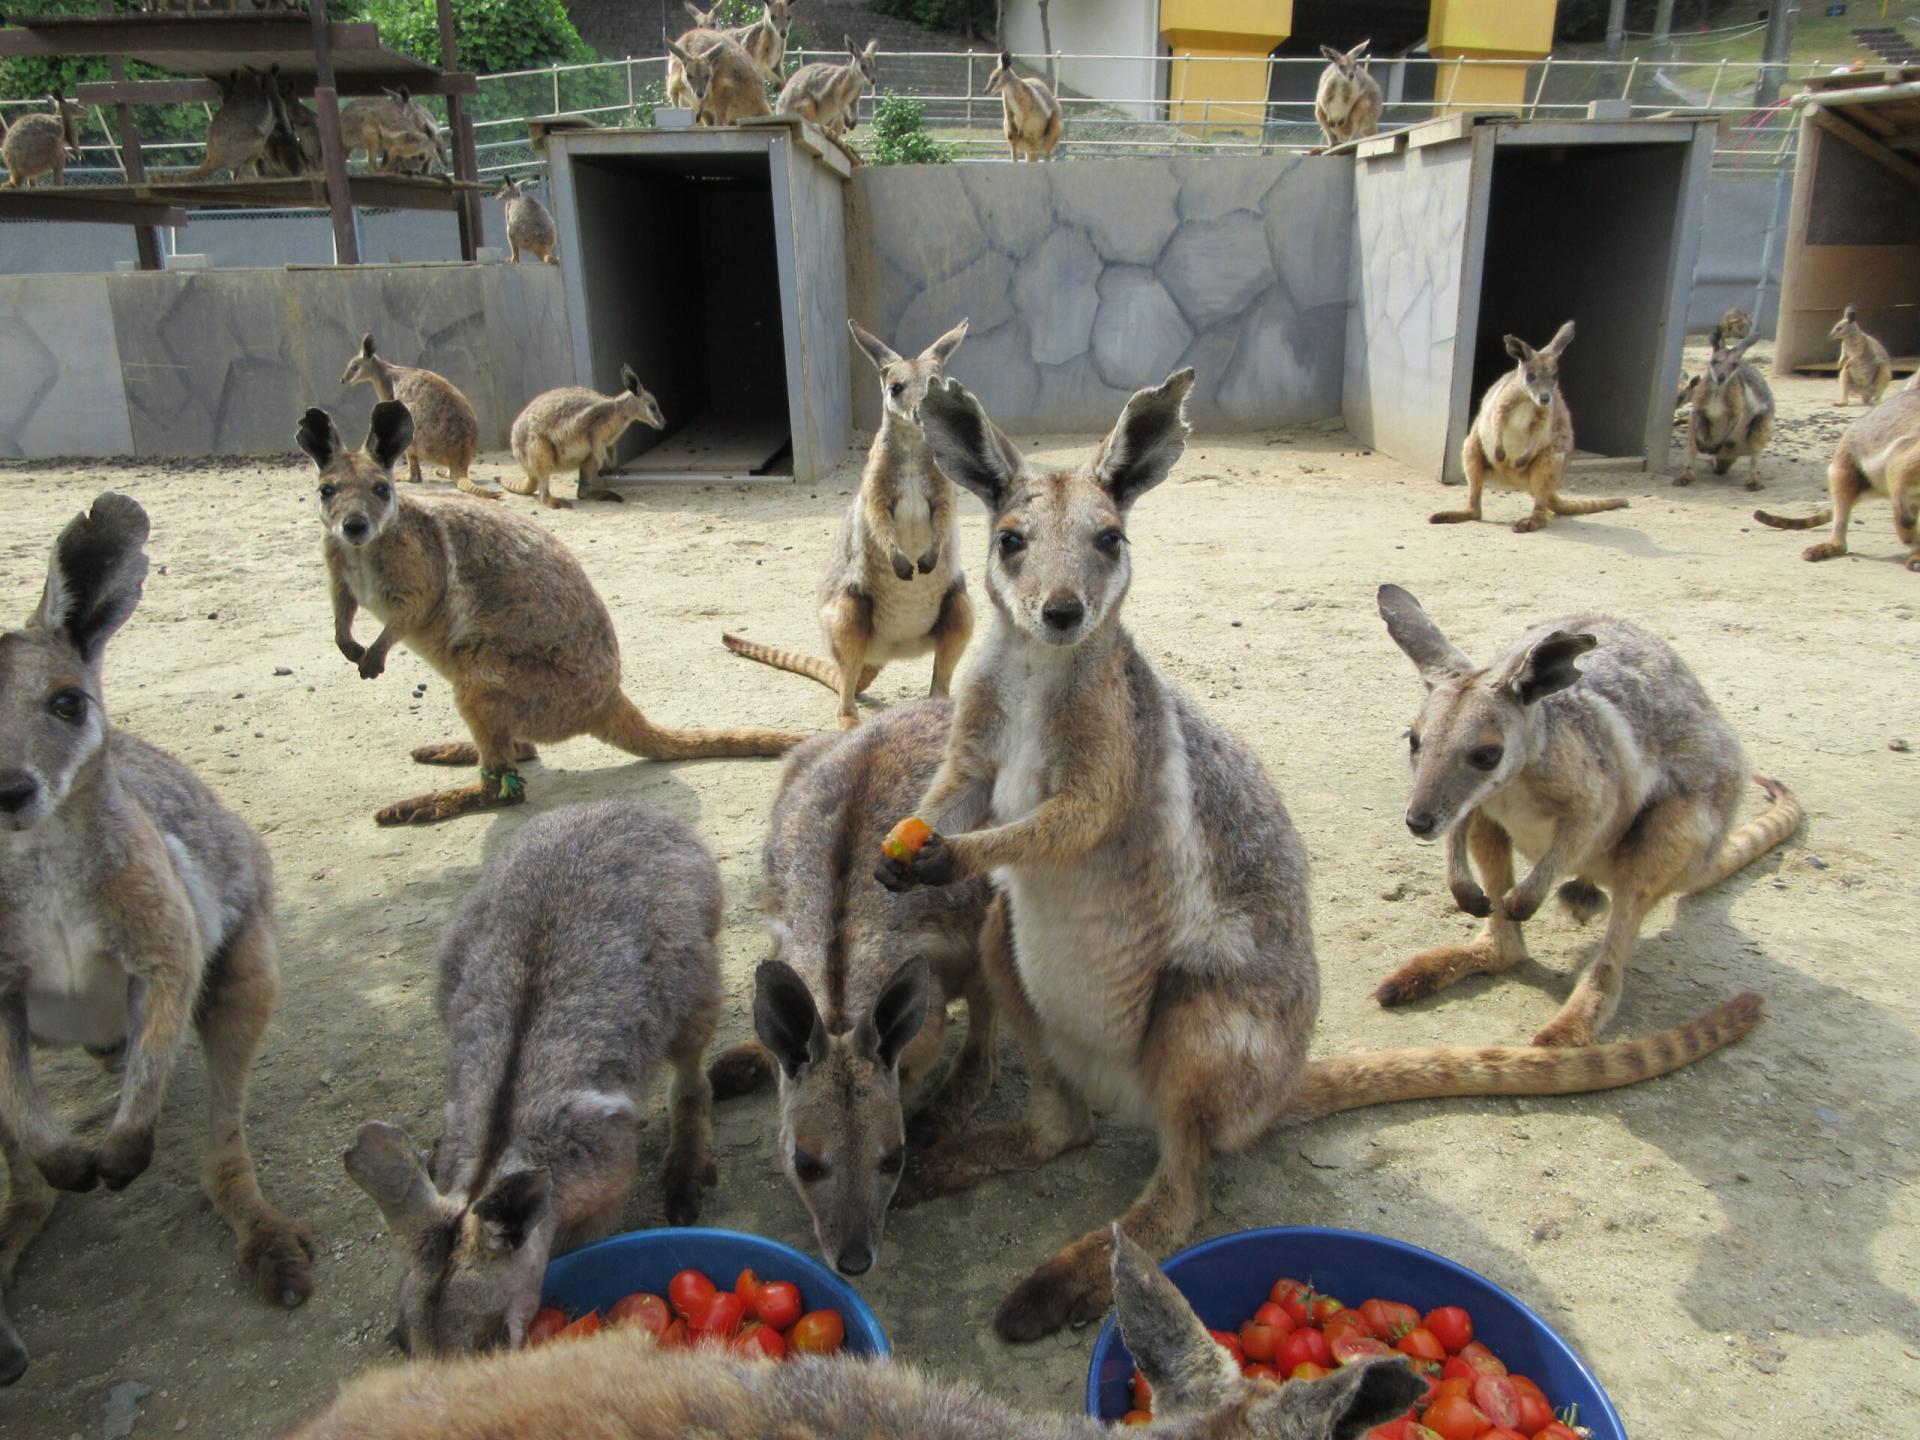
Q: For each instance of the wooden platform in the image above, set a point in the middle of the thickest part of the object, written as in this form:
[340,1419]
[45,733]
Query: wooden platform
[1902,365]
[164,195]
[92,205]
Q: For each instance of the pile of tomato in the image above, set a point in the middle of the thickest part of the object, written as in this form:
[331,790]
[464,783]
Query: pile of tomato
[1300,1334]
[755,1317]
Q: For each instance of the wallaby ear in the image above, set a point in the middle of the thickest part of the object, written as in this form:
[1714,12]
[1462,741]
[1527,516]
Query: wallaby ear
[1149,436]
[1562,338]
[1334,57]
[941,350]
[786,1019]
[1006,59]
[874,347]
[1714,338]
[1739,351]
[1847,314]
[513,1207]
[94,578]
[383,1162]
[1353,55]
[872,52]
[852,49]
[319,437]
[1517,348]
[1187,1368]
[968,446]
[1549,666]
[699,15]
[366,345]
[1434,656]
[1352,1400]
[630,379]
[389,432]
[898,1013]
[682,56]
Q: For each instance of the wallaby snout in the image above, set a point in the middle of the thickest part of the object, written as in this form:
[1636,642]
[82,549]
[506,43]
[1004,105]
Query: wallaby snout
[20,794]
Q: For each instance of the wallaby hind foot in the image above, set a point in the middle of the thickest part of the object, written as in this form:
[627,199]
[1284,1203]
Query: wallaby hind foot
[496,789]
[465,752]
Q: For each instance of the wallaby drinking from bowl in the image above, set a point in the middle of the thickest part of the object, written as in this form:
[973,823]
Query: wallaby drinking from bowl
[829,95]
[1347,102]
[1865,367]
[1878,455]
[40,143]
[581,963]
[446,432]
[1030,112]
[574,428]
[530,226]
[1732,412]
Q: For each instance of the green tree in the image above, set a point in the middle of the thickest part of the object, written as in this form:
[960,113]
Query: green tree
[900,134]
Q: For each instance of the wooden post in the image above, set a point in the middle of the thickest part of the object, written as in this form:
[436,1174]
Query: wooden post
[333,153]
[466,163]
[146,238]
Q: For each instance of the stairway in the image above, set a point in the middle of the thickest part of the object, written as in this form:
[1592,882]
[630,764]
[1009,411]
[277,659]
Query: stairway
[1895,46]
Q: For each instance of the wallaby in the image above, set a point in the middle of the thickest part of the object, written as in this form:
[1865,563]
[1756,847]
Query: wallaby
[131,902]
[1735,325]
[620,1384]
[1160,960]
[1522,438]
[387,129]
[1865,367]
[724,84]
[694,41]
[1879,453]
[286,152]
[1618,771]
[582,961]
[1029,109]
[573,428]
[764,41]
[1732,412]
[1683,393]
[530,226]
[1347,102]
[851,1008]
[446,432]
[238,134]
[40,143]
[496,605]
[421,161]
[873,606]
[829,95]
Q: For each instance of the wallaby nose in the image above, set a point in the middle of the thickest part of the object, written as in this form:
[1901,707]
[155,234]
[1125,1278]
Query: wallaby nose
[1422,824]
[855,1259]
[355,528]
[1063,615]
[17,791]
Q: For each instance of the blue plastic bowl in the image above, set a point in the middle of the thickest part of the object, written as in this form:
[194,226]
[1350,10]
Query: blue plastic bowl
[594,1277]
[1226,1279]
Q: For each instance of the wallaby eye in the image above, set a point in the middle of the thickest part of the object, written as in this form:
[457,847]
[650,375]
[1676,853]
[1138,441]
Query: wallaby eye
[894,1161]
[383,491]
[897,389]
[327,492]
[1109,542]
[1485,757]
[1413,742]
[69,705]
[811,1169]
[1012,542]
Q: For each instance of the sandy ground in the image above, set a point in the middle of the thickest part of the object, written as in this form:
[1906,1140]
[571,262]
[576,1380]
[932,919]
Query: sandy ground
[1733,1248]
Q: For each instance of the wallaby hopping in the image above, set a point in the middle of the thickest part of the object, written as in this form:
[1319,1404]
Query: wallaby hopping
[1735,325]
[1160,961]
[1732,412]
[1030,111]
[530,224]
[723,83]
[1878,454]
[41,143]
[573,428]
[238,134]
[131,903]
[446,432]
[1865,367]
[1347,102]
[496,605]
[1522,438]
[1618,772]
[873,606]
[851,1008]
[581,962]
[829,95]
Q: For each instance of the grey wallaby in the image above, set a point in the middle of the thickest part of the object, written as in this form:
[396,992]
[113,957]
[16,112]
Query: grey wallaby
[530,226]
[41,143]
[1347,100]
[1879,454]
[1731,411]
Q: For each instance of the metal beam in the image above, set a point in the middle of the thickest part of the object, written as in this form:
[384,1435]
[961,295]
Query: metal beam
[333,150]
[54,36]
[193,92]
[466,161]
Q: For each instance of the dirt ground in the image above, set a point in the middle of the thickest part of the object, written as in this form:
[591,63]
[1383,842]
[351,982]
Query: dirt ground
[1732,1248]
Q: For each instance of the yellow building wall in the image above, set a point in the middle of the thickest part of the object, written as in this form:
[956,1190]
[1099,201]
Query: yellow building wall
[1484,30]
[1220,60]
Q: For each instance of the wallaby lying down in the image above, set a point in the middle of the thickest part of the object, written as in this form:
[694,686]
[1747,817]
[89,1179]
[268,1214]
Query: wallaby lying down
[1732,412]
[1617,771]
[495,604]
[1347,101]
[1161,962]
[1878,454]
[582,961]
[618,1384]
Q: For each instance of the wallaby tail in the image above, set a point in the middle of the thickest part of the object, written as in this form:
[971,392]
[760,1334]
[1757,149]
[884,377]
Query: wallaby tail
[1574,505]
[811,666]
[1792,522]
[622,724]
[1426,1072]
[1756,837]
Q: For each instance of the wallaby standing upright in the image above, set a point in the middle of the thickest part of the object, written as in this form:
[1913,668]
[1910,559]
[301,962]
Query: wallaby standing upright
[725,85]
[530,224]
[573,428]
[765,41]
[1865,366]
[1617,772]
[39,143]
[1160,961]
[829,95]
[445,429]
[873,607]
[1347,102]
[131,903]
[496,605]
[1735,325]
[582,961]
[851,1008]
[1879,453]
[237,135]
[1522,438]
[1029,109]
[1732,412]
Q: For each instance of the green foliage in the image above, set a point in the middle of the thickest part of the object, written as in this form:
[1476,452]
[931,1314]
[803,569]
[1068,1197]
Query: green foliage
[900,134]
[958,17]
[494,35]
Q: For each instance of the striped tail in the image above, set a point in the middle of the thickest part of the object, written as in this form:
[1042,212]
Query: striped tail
[621,724]
[811,666]
[1756,837]
[1573,505]
[1426,1072]
[1788,522]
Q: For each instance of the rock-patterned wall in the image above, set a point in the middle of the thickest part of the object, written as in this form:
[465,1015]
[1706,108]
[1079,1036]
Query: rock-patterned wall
[62,365]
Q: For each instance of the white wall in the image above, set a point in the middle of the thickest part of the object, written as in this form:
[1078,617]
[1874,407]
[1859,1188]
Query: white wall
[1096,27]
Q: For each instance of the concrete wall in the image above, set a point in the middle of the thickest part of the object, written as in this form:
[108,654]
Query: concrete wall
[1095,27]
[1739,262]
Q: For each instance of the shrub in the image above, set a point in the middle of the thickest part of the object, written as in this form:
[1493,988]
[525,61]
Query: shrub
[900,134]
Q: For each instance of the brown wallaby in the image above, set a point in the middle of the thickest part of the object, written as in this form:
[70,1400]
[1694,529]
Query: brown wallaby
[238,134]
[131,903]
[764,41]
[40,143]
[573,428]
[388,128]
[420,160]
[496,605]
[530,226]
[446,432]
[581,962]
[1732,412]
[1617,772]
[829,95]
[1522,438]
[873,606]
[619,1384]
[851,1008]
[1865,367]
[723,83]
[1735,325]
[1683,392]
[1031,112]
[1878,454]
[285,154]
[1161,961]
[1347,102]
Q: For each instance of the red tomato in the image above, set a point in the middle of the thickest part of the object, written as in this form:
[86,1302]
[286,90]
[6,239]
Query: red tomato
[1417,1431]
[1136,1417]
[1308,1372]
[1260,1342]
[758,1339]
[1260,1372]
[1533,1413]
[1325,1306]
[546,1324]
[1342,1322]
[1229,1342]
[676,1337]
[1303,1347]
[1296,1299]
[777,1303]
[1500,1434]
[1421,1344]
[1451,1326]
[1482,1359]
[1496,1395]
[1557,1431]
[747,1286]
[1392,1430]
[585,1328]
[1351,1346]
[1454,1417]
[1458,1369]
[1274,1315]
[1389,1319]
[1142,1392]
[721,1317]
[1521,1382]
[649,1311]
[688,1290]
[820,1333]
[1451,1387]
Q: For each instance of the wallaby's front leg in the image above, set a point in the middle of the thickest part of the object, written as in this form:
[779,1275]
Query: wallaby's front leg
[1570,841]
[970,1080]
[1499,944]
[345,607]
[1063,826]
[689,1167]
[413,468]
[590,487]
[1466,892]
[160,993]
[886,533]
[66,1162]
[29,1201]
[373,662]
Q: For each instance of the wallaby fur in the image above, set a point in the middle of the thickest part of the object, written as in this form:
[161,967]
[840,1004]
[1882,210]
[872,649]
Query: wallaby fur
[286,152]
[1732,412]
[764,43]
[619,1384]
[1683,392]
[851,1007]
[131,903]
[1030,110]
[530,224]
[583,960]
[1865,367]
[724,84]
[1735,325]
[1879,454]
[1522,438]
[1347,102]
[446,432]
[829,95]
[241,128]
[1616,771]
[873,606]
[574,428]
[390,129]
[495,604]
[1161,961]
[40,143]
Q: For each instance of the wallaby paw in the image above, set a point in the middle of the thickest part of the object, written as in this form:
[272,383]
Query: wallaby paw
[1520,906]
[1583,901]
[1451,517]
[1685,479]
[554,502]
[352,649]
[1566,1033]
[278,1254]
[451,752]
[70,1166]
[1472,899]
[1529,525]
[927,561]
[125,1156]
[1825,550]
[372,666]
[1914,563]
[935,864]
[1064,1291]
[739,1070]
[1755,485]
[902,566]
[682,1190]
